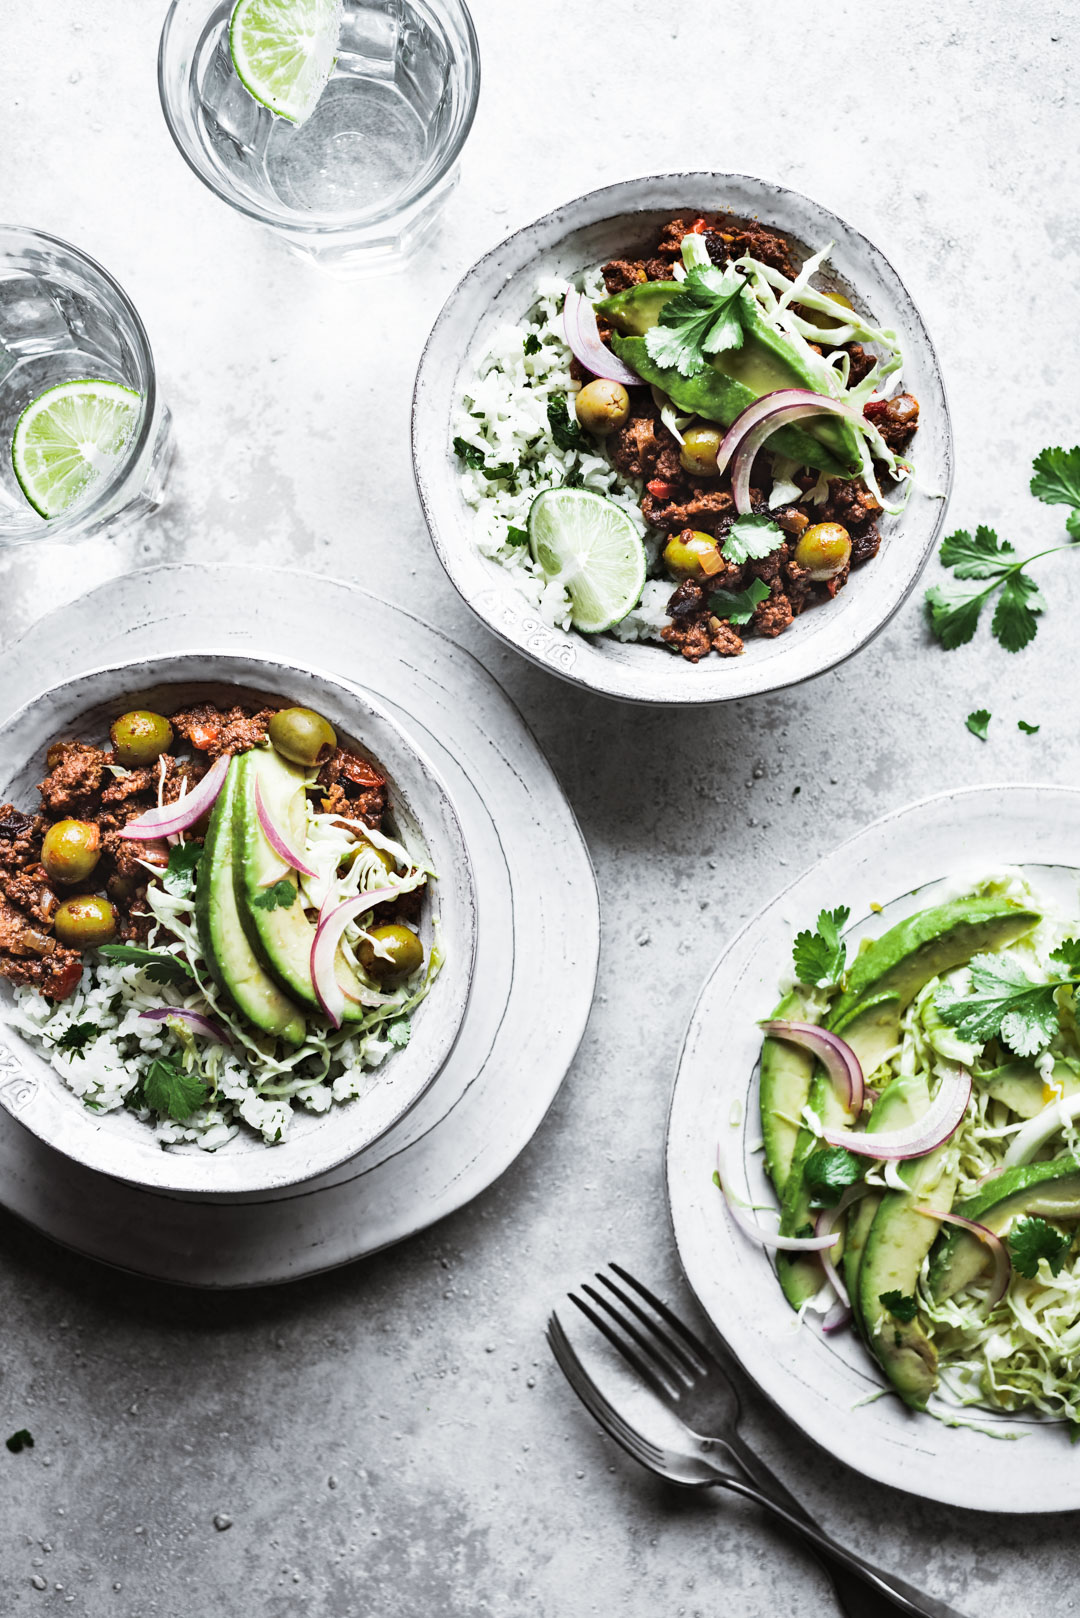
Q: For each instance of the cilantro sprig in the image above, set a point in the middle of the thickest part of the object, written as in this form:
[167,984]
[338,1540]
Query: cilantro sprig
[76,1038]
[701,320]
[170,1090]
[979,722]
[564,430]
[984,566]
[279,896]
[901,1306]
[180,874]
[737,606]
[1004,1003]
[750,539]
[160,966]
[820,957]
[1032,1239]
[828,1172]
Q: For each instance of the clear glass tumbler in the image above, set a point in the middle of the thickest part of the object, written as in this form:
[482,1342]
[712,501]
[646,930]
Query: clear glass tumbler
[64,319]
[356,185]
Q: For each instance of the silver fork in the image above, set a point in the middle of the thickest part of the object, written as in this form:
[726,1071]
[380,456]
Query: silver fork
[689,1379]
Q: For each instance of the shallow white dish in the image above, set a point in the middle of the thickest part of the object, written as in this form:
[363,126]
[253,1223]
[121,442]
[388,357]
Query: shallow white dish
[537,941]
[501,288]
[117,1143]
[819,1381]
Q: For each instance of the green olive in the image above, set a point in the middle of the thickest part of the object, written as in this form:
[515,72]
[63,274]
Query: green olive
[140,737]
[302,736]
[691,555]
[85,921]
[602,406]
[406,952]
[699,451]
[387,861]
[71,849]
[825,550]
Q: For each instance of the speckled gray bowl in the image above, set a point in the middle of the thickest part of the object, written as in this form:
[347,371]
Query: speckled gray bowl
[501,288]
[117,1143]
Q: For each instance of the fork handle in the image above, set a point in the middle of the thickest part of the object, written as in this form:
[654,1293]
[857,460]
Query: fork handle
[903,1597]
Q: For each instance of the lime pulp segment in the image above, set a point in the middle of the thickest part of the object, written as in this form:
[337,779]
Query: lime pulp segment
[591,546]
[69,438]
[284,52]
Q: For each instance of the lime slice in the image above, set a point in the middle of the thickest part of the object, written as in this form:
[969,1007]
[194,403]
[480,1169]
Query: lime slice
[69,438]
[284,52]
[590,546]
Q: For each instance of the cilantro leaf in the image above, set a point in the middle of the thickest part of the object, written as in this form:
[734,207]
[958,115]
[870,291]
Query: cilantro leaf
[901,1307]
[702,319]
[737,606]
[980,558]
[516,536]
[820,957]
[1013,622]
[828,1172]
[180,873]
[1072,524]
[19,1441]
[1029,730]
[532,343]
[279,896]
[170,1091]
[566,433]
[469,453]
[1003,1003]
[1057,477]
[159,965]
[953,610]
[978,721]
[806,1230]
[749,539]
[399,1032]
[77,1037]
[1067,955]
[1032,1239]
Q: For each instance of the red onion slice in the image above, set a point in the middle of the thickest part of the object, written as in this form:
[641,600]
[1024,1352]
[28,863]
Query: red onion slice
[333,919]
[195,1020]
[583,337]
[937,1125]
[760,420]
[275,838]
[999,1281]
[835,1055]
[170,818]
[840,1313]
[751,1228]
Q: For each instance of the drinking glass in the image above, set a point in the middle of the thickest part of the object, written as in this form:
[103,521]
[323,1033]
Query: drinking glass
[64,319]
[356,185]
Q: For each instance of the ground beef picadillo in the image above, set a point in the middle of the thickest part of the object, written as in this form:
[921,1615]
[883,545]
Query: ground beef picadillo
[674,501]
[85,783]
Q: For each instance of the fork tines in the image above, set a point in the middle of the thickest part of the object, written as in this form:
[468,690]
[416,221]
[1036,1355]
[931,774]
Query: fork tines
[665,1354]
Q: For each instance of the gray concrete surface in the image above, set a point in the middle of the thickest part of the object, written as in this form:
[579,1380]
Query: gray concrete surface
[392,1439]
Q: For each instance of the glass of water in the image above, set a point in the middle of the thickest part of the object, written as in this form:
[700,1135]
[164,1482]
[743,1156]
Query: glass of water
[357,184]
[84,438]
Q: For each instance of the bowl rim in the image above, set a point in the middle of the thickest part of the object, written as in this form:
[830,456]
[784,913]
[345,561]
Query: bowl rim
[197,1172]
[554,650]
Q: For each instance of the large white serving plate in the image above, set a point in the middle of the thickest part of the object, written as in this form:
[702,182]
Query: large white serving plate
[538,929]
[501,288]
[902,862]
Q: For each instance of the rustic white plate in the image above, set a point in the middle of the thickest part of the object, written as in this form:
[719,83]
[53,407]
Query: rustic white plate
[501,288]
[537,938]
[819,1382]
[116,1142]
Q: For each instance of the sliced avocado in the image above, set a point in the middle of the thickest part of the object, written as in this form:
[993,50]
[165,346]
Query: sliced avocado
[903,1100]
[233,963]
[786,1072]
[801,1274]
[874,1031]
[637,310]
[1051,1190]
[282,936]
[903,960]
[1023,1089]
[898,1241]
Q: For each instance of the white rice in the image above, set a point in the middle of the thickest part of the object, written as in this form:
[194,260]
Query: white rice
[504,415]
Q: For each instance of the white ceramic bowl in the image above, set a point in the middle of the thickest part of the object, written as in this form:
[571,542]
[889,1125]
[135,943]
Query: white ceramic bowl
[117,1143]
[501,289]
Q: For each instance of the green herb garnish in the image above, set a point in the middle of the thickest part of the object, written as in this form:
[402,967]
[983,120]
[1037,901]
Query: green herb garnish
[902,1307]
[19,1441]
[566,433]
[820,957]
[749,539]
[1032,1239]
[76,1038]
[1004,1003]
[828,1172]
[277,897]
[516,536]
[978,722]
[469,453]
[1029,730]
[159,965]
[169,1090]
[179,875]
[398,1032]
[1056,480]
[532,343]
[737,606]
[702,319]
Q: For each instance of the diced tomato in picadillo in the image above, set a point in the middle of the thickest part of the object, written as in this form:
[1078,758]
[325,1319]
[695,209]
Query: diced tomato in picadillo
[660,490]
[204,736]
[698,227]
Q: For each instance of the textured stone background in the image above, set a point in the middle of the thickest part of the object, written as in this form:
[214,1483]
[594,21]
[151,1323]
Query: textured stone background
[392,1439]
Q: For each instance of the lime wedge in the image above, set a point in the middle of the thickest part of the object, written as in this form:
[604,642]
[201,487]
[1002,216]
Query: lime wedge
[590,546]
[69,438]
[284,52]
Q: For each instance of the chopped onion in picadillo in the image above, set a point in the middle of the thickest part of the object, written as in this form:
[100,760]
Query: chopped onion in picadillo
[937,1125]
[1038,1130]
[196,1021]
[785,1244]
[834,1053]
[170,818]
[276,839]
[583,337]
[333,920]
[999,1253]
